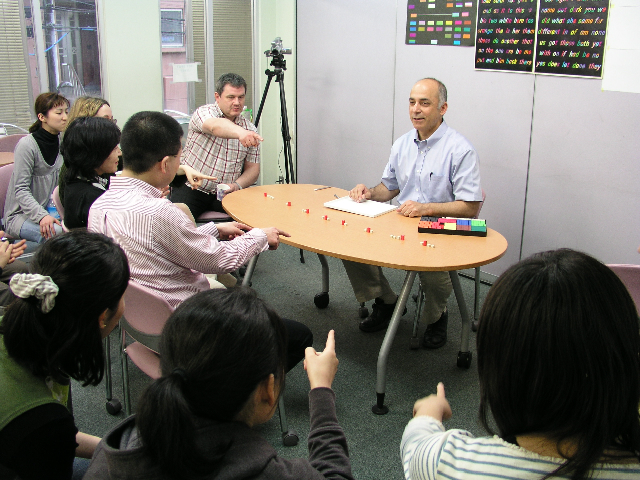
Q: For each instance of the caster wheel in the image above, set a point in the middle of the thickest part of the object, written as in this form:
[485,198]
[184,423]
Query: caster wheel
[474,325]
[363,312]
[321,300]
[113,406]
[290,438]
[242,270]
[464,359]
[415,343]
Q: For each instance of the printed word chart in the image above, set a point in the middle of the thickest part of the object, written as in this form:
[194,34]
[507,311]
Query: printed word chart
[571,37]
[561,37]
[441,22]
[506,35]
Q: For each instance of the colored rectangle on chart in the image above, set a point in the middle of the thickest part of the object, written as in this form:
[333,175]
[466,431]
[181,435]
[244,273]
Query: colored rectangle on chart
[412,29]
[421,22]
[421,29]
[465,14]
[411,7]
[438,29]
[458,22]
[430,29]
[412,23]
[455,15]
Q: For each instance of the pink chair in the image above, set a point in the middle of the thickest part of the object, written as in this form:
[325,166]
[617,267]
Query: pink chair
[8,142]
[144,317]
[5,177]
[630,276]
[145,314]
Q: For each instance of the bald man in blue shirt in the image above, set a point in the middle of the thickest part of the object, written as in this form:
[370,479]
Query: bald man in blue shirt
[433,170]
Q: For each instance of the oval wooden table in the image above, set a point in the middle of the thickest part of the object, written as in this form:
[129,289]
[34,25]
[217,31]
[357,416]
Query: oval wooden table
[309,231]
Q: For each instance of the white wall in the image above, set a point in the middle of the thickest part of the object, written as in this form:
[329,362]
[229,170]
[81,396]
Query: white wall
[578,183]
[346,56]
[130,55]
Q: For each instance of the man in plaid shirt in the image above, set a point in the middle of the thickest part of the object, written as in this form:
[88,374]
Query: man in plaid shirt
[220,143]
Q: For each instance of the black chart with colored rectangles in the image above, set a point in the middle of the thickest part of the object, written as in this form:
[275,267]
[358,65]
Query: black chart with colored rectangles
[506,35]
[441,22]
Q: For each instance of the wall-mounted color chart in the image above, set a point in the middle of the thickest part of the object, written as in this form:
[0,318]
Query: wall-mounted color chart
[562,37]
[441,22]
[506,35]
[571,37]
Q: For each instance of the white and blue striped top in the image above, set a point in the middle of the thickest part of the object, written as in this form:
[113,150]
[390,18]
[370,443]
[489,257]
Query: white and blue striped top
[430,452]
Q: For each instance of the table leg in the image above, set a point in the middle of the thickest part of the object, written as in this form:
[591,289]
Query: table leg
[464,355]
[379,408]
[246,281]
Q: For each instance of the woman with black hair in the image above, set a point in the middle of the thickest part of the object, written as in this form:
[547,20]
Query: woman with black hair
[51,333]
[37,163]
[223,359]
[558,359]
[91,152]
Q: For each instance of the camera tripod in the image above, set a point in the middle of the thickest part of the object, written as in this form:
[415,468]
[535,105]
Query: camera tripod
[280,65]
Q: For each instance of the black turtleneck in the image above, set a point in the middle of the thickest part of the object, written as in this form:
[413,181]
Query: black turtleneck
[49,145]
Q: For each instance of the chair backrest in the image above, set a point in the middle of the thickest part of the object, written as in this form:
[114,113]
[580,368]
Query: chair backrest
[5,177]
[630,276]
[212,216]
[146,312]
[484,195]
[55,196]
[8,143]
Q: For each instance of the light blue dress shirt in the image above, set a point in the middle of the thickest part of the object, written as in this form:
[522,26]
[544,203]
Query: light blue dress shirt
[443,168]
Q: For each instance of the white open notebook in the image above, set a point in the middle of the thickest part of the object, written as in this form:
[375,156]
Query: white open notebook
[368,208]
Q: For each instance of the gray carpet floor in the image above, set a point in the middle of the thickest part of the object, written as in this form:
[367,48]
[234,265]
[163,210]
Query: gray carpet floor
[289,286]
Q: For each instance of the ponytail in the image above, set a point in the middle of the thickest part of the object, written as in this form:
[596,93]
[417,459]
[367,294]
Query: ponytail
[171,441]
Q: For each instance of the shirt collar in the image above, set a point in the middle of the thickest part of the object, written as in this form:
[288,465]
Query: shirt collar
[435,136]
[128,183]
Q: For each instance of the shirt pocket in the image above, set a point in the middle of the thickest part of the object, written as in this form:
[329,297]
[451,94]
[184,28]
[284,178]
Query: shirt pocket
[439,189]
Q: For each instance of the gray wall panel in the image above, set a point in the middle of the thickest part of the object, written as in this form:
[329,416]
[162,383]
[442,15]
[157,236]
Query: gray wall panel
[585,170]
[345,90]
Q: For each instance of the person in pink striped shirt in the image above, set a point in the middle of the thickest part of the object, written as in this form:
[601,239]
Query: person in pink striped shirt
[166,251]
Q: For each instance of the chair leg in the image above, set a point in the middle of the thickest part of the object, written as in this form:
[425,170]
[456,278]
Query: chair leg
[113,405]
[415,341]
[125,377]
[289,436]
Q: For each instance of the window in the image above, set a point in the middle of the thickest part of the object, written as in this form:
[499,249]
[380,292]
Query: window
[172,26]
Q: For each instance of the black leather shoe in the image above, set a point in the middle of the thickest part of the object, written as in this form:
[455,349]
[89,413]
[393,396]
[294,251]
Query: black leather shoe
[380,316]
[436,334]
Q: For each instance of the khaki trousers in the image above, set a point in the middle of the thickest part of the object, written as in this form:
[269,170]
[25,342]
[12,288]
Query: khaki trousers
[368,282]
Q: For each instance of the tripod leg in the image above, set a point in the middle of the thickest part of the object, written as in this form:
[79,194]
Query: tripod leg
[264,96]
[286,136]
